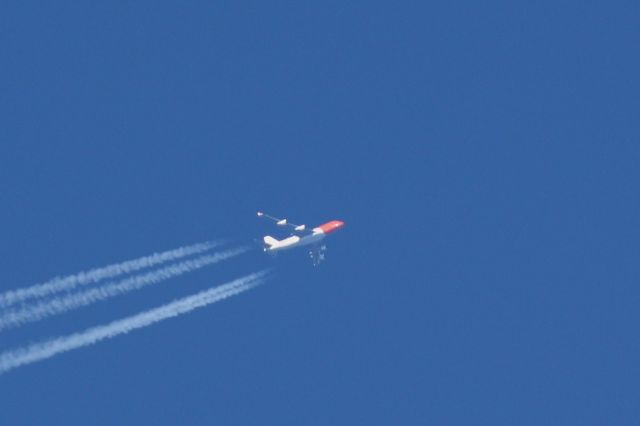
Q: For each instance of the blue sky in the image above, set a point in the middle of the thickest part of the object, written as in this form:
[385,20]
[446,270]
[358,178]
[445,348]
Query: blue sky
[483,156]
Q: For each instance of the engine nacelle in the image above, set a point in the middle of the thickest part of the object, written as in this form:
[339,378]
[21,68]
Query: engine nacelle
[300,227]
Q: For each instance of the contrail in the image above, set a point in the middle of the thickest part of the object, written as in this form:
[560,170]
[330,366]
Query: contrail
[39,351]
[58,305]
[69,282]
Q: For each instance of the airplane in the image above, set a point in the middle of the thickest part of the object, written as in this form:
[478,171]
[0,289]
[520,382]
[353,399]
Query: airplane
[301,237]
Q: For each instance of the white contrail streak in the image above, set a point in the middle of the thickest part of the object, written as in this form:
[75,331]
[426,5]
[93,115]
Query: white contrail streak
[58,305]
[69,282]
[39,351]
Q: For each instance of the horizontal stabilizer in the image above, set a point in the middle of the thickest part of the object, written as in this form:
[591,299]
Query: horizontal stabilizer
[269,240]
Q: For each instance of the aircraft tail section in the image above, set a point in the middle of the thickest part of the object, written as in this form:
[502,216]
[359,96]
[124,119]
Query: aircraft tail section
[269,240]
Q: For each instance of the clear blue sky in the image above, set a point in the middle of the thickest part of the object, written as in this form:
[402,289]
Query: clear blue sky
[484,157]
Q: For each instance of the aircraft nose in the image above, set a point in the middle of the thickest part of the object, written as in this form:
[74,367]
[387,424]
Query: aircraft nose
[334,225]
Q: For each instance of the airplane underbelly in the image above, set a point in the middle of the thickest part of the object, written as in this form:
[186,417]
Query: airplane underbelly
[296,241]
[311,239]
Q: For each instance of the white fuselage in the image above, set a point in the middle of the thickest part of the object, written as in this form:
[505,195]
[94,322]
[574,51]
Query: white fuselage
[296,241]
[317,234]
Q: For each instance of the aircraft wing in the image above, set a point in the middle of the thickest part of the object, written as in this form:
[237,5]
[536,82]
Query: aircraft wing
[282,222]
